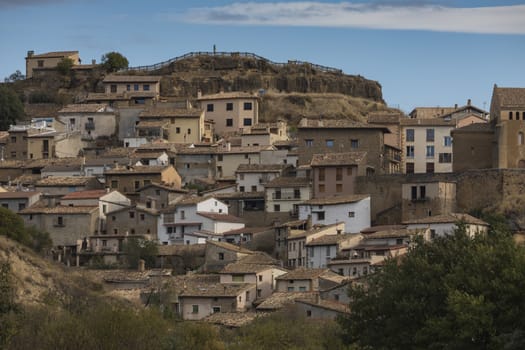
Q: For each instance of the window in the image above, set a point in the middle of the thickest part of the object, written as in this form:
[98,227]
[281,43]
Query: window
[321,174]
[302,289]
[430,135]
[447,141]
[142,217]
[354,144]
[247,106]
[60,221]
[131,214]
[351,214]
[241,189]
[409,168]
[216,309]
[422,192]
[510,115]
[410,135]
[177,130]
[260,278]
[430,151]
[238,278]
[338,174]
[349,171]
[136,87]
[21,206]
[247,121]
[296,193]
[517,115]
[114,183]
[137,184]
[182,216]
[254,188]
[221,256]
[413,192]
[145,87]
[128,87]
[229,122]
[195,309]
[209,107]
[339,187]
[410,152]
[290,289]
[430,168]
[520,138]
[327,251]
[13,139]
[330,143]
[308,313]
[229,106]
[308,142]
[104,208]
[13,154]
[320,215]
[277,207]
[445,157]
[321,188]
[259,293]
[40,63]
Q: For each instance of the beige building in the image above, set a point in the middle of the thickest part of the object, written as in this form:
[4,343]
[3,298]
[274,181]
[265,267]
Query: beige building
[424,199]
[173,125]
[228,159]
[91,120]
[48,60]
[230,111]
[134,221]
[265,134]
[473,147]
[136,89]
[283,194]
[131,179]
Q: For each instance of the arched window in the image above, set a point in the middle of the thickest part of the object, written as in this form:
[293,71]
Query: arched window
[520,138]
[510,115]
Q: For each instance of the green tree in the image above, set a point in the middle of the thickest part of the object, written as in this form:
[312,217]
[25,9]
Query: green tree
[65,65]
[454,293]
[7,304]
[114,61]
[11,107]
[136,249]
[16,76]
[13,227]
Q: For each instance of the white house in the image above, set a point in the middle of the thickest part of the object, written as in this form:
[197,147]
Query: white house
[322,250]
[353,210]
[441,225]
[252,177]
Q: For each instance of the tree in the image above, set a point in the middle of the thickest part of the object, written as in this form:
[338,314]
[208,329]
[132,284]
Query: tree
[13,227]
[16,76]
[65,65]
[136,249]
[454,293]
[114,61]
[11,107]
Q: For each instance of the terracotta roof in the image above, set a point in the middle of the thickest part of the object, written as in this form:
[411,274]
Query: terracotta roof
[329,239]
[288,181]
[215,289]
[59,209]
[18,194]
[84,108]
[337,124]
[326,304]
[64,181]
[351,198]
[101,96]
[280,299]
[170,112]
[227,95]
[346,158]
[447,218]
[431,112]
[150,169]
[92,194]
[54,54]
[113,78]
[510,97]
[260,168]
[427,122]
[294,223]
[197,150]
[221,217]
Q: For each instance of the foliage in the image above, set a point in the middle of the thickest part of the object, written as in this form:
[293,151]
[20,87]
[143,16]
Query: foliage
[454,293]
[136,249]
[42,97]
[7,304]
[196,336]
[114,61]
[65,65]
[16,76]
[288,330]
[11,107]
[13,227]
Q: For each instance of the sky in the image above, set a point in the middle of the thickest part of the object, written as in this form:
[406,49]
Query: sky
[423,53]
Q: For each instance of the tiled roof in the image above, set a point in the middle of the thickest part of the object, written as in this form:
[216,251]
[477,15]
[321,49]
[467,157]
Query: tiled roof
[329,240]
[427,122]
[294,234]
[400,233]
[244,268]
[113,78]
[163,187]
[170,112]
[18,194]
[248,230]
[431,112]
[221,217]
[337,124]
[260,258]
[151,124]
[231,247]
[227,95]
[383,228]
[191,200]
[64,181]
[240,195]
[280,299]
[84,108]
[288,181]
[92,194]
[62,167]
[447,218]
[326,304]
[260,168]
[351,198]
[475,127]
[510,97]
[384,117]
[101,96]
[294,223]
[215,289]
[302,274]
[240,150]
[54,54]
[150,169]
[346,158]
[59,209]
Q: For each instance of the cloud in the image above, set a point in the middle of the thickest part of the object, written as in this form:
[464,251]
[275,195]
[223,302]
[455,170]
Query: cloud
[417,15]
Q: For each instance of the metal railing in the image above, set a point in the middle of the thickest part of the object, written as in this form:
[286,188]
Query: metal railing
[163,64]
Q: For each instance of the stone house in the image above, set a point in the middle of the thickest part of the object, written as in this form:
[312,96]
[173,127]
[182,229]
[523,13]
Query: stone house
[441,225]
[352,210]
[265,134]
[150,157]
[307,280]
[427,198]
[296,242]
[230,111]
[62,185]
[131,178]
[228,158]
[322,136]
[48,60]
[159,196]
[320,251]
[335,173]
[138,89]
[253,177]
[195,163]
[321,309]
[91,120]
[220,254]
[246,205]
[134,220]
[282,196]
[281,233]
[19,200]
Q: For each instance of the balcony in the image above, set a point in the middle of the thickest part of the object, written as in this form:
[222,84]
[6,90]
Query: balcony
[286,196]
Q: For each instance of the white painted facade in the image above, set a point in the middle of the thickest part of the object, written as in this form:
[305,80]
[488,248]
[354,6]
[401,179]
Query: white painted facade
[443,229]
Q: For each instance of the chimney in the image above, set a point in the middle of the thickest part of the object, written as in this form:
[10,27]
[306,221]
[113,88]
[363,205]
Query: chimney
[30,53]
[468,102]
[199,93]
[228,146]
[456,106]
[142,265]
[93,61]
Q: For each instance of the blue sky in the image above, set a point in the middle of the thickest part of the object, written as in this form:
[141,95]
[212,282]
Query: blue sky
[424,53]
